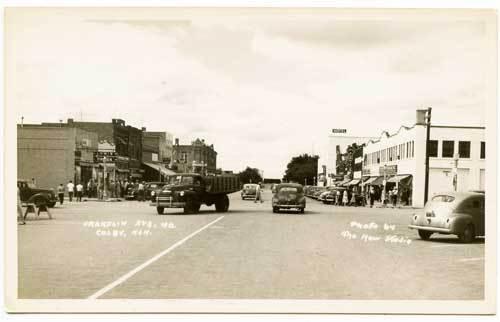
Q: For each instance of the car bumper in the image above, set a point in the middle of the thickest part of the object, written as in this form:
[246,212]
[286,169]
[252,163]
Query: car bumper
[430,228]
[290,206]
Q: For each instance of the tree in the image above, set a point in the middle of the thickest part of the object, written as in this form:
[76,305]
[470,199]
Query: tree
[250,175]
[301,168]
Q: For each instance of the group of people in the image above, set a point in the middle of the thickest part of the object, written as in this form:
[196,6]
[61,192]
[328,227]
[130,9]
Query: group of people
[390,196]
[346,198]
[72,190]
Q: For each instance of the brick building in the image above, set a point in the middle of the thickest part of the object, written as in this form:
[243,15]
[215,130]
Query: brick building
[157,153]
[116,138]
[196,157]
[55,154]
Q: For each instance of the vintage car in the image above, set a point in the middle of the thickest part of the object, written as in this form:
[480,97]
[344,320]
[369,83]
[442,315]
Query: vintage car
[151,189]
[131,192]
[329,196]
[31,194]
[249,191]
[288,196]
[455,213]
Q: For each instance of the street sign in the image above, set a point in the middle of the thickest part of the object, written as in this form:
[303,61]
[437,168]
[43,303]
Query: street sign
[99,157]
[388,170]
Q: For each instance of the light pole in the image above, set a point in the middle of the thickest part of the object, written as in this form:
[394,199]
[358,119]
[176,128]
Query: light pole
[104,194]
[455,171]
[428,124]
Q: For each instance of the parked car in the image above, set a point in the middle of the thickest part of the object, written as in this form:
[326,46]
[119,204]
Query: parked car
[151,189]
[455,213]
[289,196]
[249,191]
[31,194]
[131,192]
[329,197]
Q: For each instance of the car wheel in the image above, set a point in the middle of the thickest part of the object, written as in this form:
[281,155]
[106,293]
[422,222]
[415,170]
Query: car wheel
[468,235]
[424,234]
[159,210]
[222,204]
[52,205]
[275,209]
[302,210]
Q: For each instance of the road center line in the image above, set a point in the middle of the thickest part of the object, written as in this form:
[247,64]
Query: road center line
[149,262]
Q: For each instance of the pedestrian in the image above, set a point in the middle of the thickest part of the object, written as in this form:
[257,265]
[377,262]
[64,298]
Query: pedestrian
[140,191]
[99,191]
[70,186]
[89,189]
[79,192]
[20,215]
[33,182]
[394,197]
[353,198]
[125,187]
[258,194]
[60,193]
[372,196]
[337,198]
[112,189]
[345,198]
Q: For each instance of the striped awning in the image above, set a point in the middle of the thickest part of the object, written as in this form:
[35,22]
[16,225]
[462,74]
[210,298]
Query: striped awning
[369,181]
[353,182]
[399,177]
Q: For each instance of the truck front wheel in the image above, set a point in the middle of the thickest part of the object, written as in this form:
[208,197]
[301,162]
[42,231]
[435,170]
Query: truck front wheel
[222,204]
[159,210]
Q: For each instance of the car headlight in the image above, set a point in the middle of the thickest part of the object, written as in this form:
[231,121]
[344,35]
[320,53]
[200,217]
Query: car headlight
[152,193]
[181,193]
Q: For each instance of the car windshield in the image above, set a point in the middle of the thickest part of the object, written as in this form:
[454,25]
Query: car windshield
[289,189]
[443,198]
[180,180]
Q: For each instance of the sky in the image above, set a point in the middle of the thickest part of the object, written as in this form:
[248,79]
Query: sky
[261,86]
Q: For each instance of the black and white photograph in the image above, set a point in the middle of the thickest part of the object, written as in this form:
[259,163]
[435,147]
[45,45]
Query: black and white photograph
[274,160]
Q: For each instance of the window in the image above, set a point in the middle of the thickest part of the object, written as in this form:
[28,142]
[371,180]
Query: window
[464,149]
[448,149]
[443,198]
[483,150]
[412,149]
[433,148]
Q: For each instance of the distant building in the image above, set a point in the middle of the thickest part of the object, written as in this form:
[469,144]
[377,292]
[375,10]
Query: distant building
[157,151]
[197,157]
[54,155]
[123,144]
[399,159]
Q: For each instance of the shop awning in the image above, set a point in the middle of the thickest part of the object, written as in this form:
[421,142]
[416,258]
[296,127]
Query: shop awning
[370,180]
[399,177]
[342,183]
[159,167]
[378,182]
[353,182]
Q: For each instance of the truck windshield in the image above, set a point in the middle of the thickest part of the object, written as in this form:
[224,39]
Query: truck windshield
[180,180]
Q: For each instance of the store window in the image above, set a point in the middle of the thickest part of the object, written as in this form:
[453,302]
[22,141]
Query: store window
[483,150]
[448,149]
[464,149]
[433,148]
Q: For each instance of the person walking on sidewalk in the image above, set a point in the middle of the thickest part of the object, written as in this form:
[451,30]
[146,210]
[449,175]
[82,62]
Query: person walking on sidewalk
[345,198]
[60,193]
[140,191]
[372,196]
[79,192]
[20,215]
[70,186]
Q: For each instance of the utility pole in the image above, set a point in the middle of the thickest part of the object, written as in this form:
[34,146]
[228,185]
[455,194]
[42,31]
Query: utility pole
[104,195]
[428,124]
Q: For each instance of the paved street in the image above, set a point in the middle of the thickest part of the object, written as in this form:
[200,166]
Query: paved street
[246,253]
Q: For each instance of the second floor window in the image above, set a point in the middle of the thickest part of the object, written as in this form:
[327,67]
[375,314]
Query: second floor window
[433,148]
[464,149]
[448,149]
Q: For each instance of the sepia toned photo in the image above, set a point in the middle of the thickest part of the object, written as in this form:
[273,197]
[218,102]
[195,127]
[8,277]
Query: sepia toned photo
[265,160]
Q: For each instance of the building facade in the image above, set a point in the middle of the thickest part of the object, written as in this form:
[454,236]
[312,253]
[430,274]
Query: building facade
[338,142]
[399,160]
[157,151]
[119,152]
[53,155]
[197,157]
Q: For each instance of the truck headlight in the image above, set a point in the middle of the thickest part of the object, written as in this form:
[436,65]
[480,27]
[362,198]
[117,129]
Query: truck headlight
[181,193]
